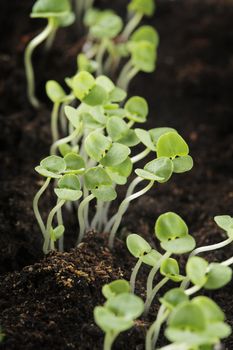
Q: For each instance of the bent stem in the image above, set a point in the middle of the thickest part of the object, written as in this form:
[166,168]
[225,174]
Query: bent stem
[192,290]
[54,121]
[134,274]
[60,142]
[59,204]
[207,248]
[60,222]
[124,72]
[140,156]
[81,218]
[122,209]
[130,190]
[151,296]
[132,24]
[100,56]
[154,330]
[227,262]
[153,271]
[30,75]
[36,208]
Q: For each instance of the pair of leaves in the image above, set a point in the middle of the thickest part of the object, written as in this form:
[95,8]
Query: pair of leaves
[100,184]
[197,322]
[173,234]
[115,288]
[208,276]
[118,313]
[142,250]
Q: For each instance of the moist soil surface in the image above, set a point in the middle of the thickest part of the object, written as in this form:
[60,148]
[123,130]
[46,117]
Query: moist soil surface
[47,303]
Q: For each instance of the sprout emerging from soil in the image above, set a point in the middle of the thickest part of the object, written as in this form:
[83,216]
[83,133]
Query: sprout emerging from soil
[58,14]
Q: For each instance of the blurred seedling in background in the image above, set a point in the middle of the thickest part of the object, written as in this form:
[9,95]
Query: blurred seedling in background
[58,14]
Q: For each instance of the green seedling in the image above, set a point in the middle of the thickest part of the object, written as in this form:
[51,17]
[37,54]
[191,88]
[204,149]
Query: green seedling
[141,250]
[207,276]
[169,301]
[138,9]
[225,222]
[115,288]
[117,315]
[199,322]
[58,14]
[159,170]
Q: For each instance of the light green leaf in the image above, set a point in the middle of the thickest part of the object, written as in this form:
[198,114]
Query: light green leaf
[105,193]
[137,109]
[170,226]
[196,270]
[116,155]
[96,177]
[54,91]
[182,164]
[96,144]
[116,287]
[137,245]
[172,145]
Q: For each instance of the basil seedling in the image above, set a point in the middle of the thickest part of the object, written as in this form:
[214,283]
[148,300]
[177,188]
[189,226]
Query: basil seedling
[117,315]
[115,288]
[58,14]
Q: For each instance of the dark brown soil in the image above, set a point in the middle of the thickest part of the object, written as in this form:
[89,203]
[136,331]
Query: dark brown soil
[49,304]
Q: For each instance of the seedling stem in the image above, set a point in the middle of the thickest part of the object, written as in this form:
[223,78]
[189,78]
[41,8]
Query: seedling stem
[35,205]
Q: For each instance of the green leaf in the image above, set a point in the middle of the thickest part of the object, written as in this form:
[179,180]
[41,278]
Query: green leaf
[121,172]
[116,155]
[105,193]
[68,188]
[66,20]
[179,245]
[84,64]
[114,288]
[196,270]
[67,194]
[170,269]
[218,276]
[109,322]
[64,149]
[146,33]
[152,258]
[137,245]
[74,163]
[158,170]
[54,91]
[182,164]
[144,7]
[96,144]
[57,232]
[96,177]
[72,115]
[145,138]
[50,8]
[173,298]
[137,109]
[91,16]
[170,226]
[107,25]
[117,95]
[129,139]
[69,181]
[105,83]
[143,55]
[212,311]
[116,128]
[172,145]
[82,84]
[126,305]
[96,97]
[51,166]
[226,223]
[187,316]
[157,132]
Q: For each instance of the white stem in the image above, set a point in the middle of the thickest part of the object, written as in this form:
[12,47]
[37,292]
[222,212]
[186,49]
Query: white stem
[134,274]
[122,209]
[60,222]
[132,24]
[36,208]
[140,156]
[154,328]
[30,75]
[63,141]
[54,121]
[227,262]
[192,290]
[151,296]
[153,271]
[81,219]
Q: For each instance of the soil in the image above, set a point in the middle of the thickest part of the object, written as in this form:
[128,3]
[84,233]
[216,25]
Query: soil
[48,302]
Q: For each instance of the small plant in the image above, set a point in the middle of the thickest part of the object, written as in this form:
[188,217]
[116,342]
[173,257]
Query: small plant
[173,234]
[119,311]
[58,14]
